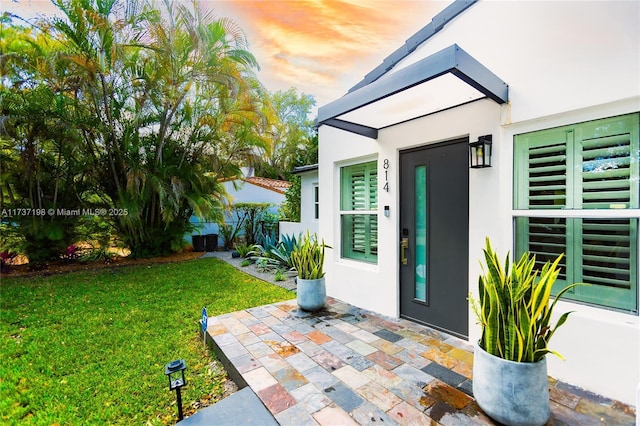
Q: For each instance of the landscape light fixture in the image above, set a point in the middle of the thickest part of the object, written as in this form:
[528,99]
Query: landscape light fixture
[480,152]
[175,372]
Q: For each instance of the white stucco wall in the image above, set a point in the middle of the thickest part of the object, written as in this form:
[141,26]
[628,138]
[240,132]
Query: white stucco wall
[358,283]
[556,56]
[250,193]
[565,63]
[601,346]
[308,181]
[376,286]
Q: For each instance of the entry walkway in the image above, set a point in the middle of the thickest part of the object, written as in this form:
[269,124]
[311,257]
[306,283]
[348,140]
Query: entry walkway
[346,366]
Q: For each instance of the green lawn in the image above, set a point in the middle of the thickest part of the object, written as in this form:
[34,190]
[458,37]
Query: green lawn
[90,347]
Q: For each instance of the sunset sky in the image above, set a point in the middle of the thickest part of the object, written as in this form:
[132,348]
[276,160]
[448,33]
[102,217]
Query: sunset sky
[321,47]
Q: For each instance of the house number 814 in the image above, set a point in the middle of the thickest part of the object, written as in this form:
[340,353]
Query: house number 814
[385,166]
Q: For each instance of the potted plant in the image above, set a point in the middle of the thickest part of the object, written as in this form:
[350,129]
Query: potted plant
[307,259]
[510,369]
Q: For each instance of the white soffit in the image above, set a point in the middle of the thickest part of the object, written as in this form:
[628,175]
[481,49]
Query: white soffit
[443,80]
[438,94]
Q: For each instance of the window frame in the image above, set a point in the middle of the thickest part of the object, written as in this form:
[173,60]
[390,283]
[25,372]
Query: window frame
[369,213]
[575,213]
[316,200]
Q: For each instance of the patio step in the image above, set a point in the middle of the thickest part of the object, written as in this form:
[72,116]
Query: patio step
[241,408]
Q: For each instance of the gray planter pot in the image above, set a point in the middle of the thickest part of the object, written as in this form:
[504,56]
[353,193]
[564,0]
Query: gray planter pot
[513,393]
[312,294]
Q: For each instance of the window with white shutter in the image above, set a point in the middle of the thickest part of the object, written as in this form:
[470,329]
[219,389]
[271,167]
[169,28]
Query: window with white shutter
[561,176]
[358,211]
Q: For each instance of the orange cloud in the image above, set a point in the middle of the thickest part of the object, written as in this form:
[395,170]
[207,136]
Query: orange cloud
[324,47]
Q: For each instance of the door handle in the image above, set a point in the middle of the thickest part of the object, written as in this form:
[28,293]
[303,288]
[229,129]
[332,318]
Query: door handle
[404,244]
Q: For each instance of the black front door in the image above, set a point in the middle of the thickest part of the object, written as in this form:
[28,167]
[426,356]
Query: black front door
[434,233]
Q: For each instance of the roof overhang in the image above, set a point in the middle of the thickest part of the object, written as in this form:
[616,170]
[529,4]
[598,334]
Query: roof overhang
[444,80]
[305,169]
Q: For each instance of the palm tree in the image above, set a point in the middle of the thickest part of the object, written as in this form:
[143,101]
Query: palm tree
[41,160]
[167,93]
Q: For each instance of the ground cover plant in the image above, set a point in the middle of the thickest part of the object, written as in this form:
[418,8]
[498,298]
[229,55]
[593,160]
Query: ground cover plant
[90,347]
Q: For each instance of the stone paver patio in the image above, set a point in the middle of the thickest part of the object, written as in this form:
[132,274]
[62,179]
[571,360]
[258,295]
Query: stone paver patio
[346,366]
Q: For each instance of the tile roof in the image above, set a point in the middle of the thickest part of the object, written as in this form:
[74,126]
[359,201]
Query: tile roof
[280,186]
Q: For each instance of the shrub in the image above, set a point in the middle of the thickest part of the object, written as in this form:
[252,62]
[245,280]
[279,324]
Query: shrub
[290,209]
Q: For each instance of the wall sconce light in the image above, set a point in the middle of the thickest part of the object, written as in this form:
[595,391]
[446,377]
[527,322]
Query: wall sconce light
[480,152]
[175,371]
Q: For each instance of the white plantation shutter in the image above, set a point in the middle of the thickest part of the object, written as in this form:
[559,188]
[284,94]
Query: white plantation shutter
[586,166]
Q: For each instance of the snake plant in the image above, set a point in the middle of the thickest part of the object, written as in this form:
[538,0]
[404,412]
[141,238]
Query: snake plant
[514,307]
[308,257]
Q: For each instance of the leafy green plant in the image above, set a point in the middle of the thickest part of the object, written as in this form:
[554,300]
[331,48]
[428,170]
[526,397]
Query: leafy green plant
[308,257]
[246,250]
[514,307]
[96,254]
[268,225]
[265,265]
[290,208]
[281,255]
[268,244]
[228,234]
[289,242]
[280,275]
[278,253]
[268,241]
[10,238]
[250,216]
[44,240]
[245,263]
